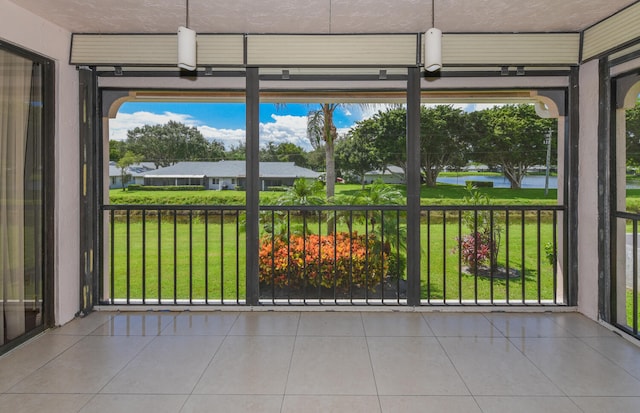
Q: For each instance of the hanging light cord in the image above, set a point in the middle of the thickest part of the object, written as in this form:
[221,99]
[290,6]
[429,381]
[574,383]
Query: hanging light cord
[433,12]
[187,14]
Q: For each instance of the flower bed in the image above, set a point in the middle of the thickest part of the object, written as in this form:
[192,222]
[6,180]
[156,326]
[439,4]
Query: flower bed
[335,261]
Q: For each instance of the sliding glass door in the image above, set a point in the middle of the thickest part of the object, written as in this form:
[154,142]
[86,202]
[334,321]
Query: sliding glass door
[23,199]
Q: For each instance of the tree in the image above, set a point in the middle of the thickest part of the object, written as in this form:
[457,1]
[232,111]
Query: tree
[322,131]
[357,153]
[316,159]
[391,138]
[633,135]
[284,152]
[237,153]
[128,159]
[165,145]
[442,140]
[511,137]
[215,151]
[442,129]
[303,192]
[117,149]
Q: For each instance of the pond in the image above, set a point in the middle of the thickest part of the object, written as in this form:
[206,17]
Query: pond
[532,181]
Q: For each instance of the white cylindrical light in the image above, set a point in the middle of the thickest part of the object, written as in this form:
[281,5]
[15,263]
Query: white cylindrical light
[186,48]
[433,50]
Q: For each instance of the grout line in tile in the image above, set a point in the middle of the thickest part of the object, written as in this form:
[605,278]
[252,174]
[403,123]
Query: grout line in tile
[293,350]
[510,339]
[373,372]
[154,338]
[213,356]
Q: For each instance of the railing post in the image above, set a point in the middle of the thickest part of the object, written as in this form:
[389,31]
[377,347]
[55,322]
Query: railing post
[413,187]
[253,183]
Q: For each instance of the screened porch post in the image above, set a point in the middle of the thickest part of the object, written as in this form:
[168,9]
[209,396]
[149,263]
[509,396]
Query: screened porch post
[413,187]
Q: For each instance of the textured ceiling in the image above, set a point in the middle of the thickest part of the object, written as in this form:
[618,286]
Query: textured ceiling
[324,16]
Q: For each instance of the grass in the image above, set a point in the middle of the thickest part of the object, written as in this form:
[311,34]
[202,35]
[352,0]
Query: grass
[440,195]
[119,197]
[629,307]
[442,276]
[222,276]
[198,260]
[440,257]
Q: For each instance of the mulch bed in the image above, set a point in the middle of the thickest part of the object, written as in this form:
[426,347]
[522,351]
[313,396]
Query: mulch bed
[392,289]
[498,272]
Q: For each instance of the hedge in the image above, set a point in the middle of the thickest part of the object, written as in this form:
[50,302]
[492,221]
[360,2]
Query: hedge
[138,187]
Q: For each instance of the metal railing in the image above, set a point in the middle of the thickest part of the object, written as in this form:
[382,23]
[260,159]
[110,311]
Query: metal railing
[492,255]
[333,255]
[174,255]
[337,255]
[625,284]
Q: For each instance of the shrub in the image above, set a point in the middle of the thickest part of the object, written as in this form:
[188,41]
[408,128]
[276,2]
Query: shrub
[483,243]
[480,184]
[278,188]
[337,260]
[138,187]
[550,253]
[476,250]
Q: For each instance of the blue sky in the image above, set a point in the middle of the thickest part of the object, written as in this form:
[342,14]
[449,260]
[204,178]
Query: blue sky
[225,122]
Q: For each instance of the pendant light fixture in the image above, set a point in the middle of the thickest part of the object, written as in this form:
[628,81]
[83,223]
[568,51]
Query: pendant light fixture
[186,45]
[433,45]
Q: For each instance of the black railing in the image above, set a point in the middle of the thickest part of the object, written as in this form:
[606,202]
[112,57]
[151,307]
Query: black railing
[493,255]
[626,279]
[175,255]
[333,255]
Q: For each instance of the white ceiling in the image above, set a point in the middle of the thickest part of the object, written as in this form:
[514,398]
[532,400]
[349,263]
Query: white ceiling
[324,16]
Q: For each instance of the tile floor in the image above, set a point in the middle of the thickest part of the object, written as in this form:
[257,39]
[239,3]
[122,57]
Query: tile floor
[323,362]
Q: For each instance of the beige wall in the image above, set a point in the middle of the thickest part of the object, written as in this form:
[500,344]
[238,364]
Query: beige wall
[24,29]
[588,191]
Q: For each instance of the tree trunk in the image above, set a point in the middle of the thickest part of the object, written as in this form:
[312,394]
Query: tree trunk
[514,181]
[431,177]
[330,133]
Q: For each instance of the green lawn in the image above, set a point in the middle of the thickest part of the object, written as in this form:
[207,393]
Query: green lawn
[440,195]
[222,277]
[443,274]
[440,257]
[629,305]
[178,277]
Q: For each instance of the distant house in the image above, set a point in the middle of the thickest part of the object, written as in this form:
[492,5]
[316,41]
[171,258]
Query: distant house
[390,175]
[226,174]
[135,174]
[473,167]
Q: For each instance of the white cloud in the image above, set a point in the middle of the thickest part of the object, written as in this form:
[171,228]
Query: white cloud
[285,128]
[123,122]
[228,137]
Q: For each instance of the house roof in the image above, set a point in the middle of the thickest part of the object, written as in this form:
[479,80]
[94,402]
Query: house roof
[231,169]
[389,170]
[135,170]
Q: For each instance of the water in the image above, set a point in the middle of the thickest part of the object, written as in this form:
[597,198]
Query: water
[535,181]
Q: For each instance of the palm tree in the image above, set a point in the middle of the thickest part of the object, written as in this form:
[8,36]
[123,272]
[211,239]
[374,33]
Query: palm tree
[302,193]
[321,130]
